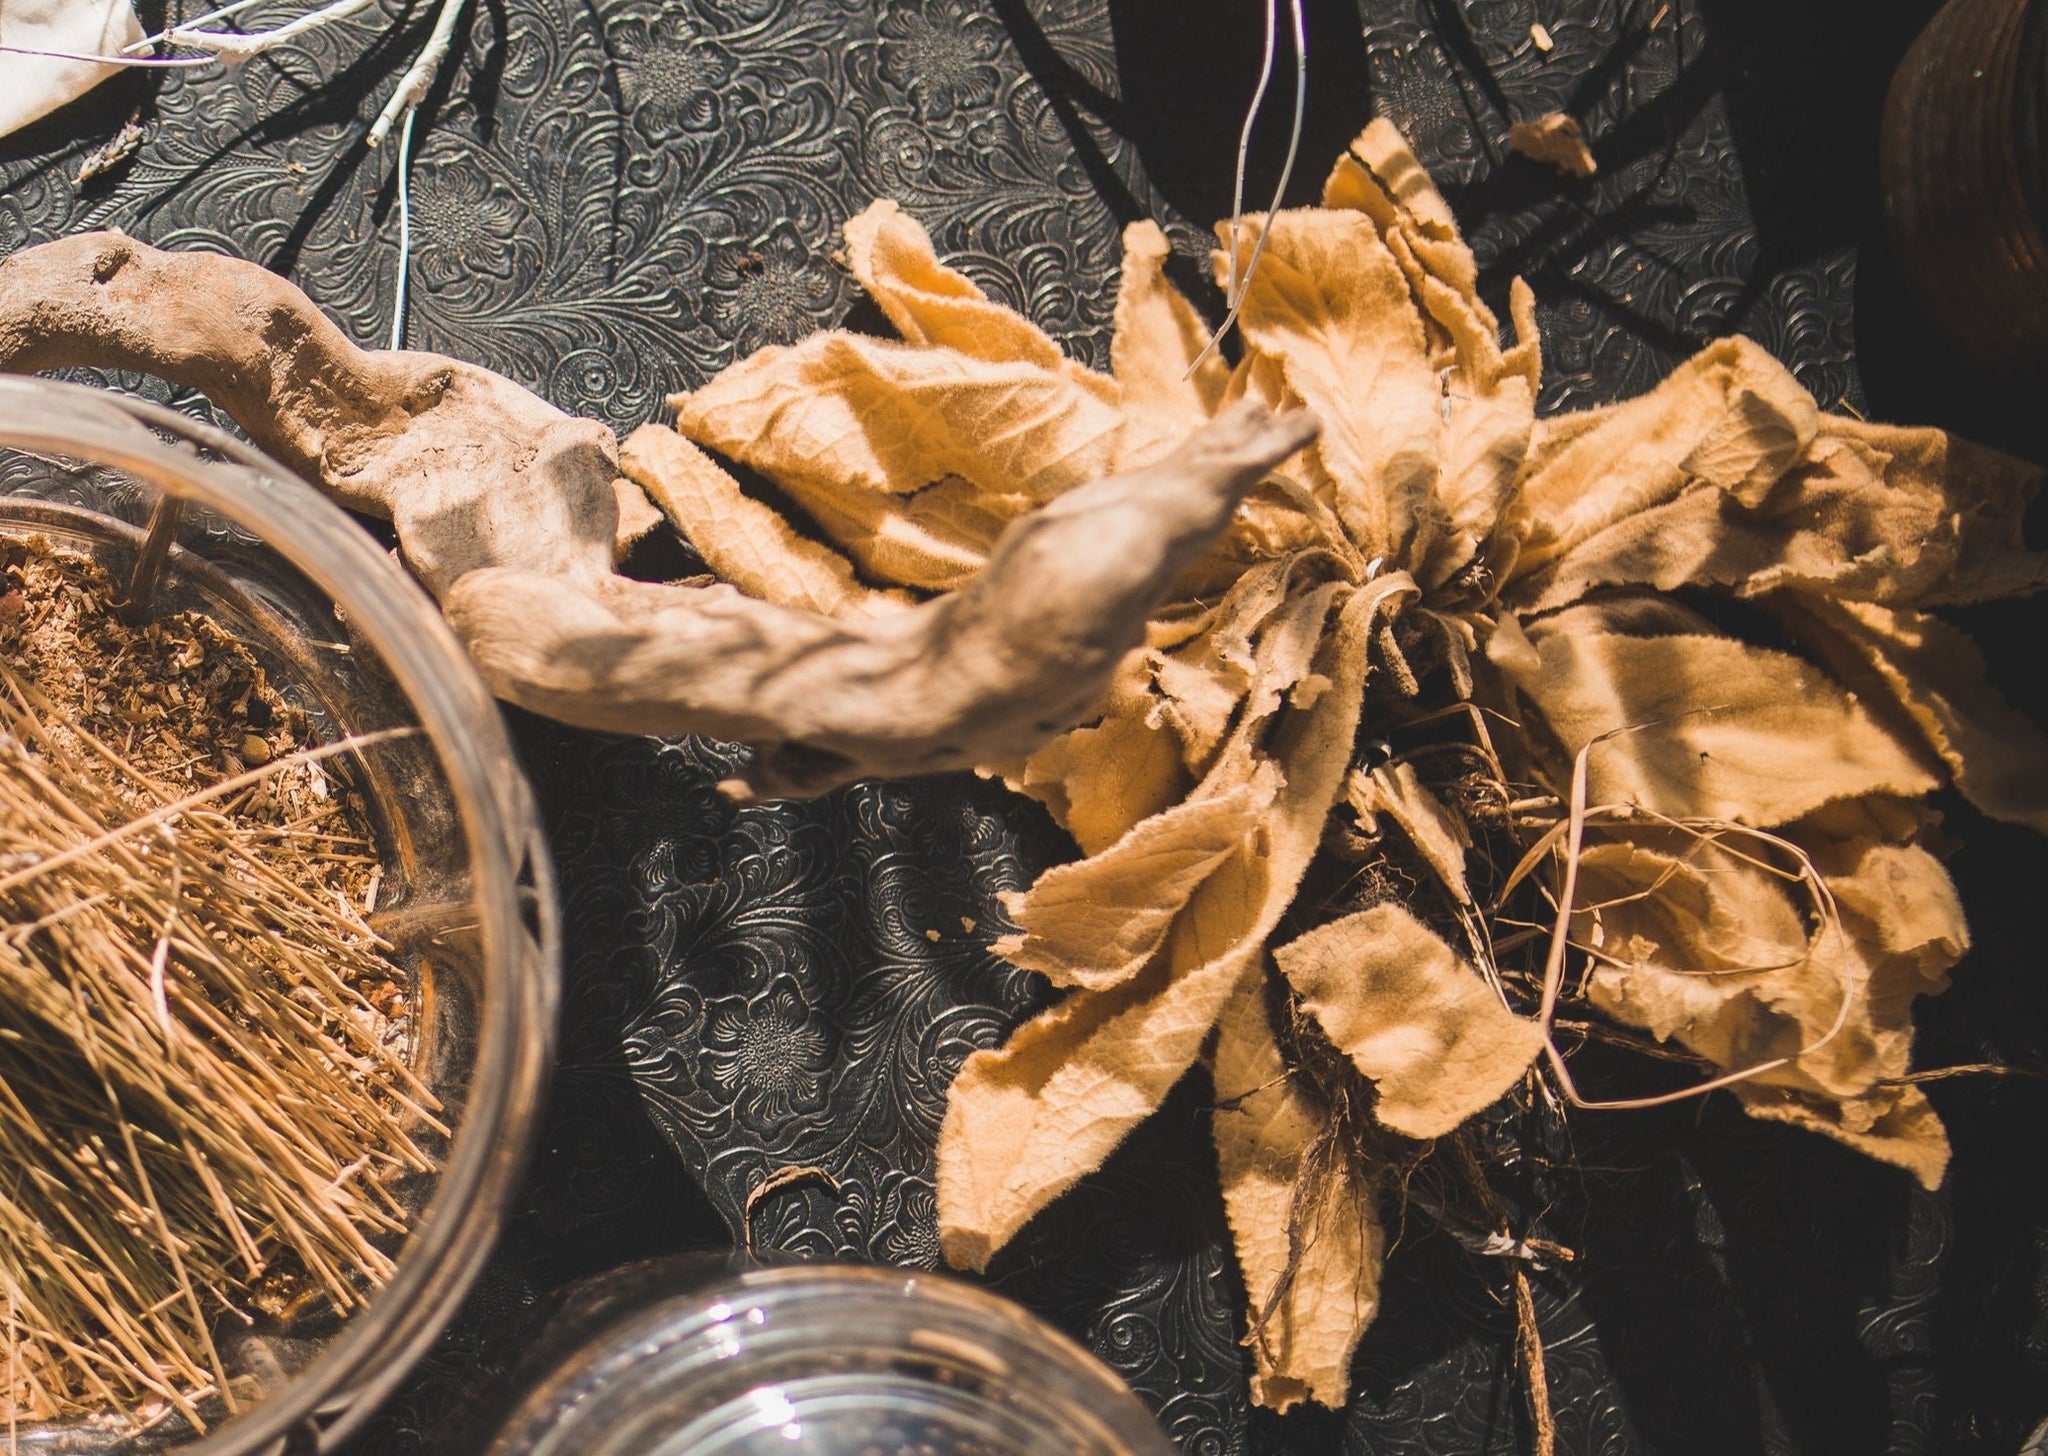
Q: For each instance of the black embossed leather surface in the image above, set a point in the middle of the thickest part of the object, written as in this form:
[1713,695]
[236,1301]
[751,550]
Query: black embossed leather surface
[614,198]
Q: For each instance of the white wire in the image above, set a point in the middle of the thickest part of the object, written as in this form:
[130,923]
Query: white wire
[225,12]
[404,230]
[1279,191]
[419,76]
[1244,143]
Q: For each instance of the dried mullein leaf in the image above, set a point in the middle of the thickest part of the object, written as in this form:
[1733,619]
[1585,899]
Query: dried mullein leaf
[1985,494]
[1706,947]
[1158,336]
[1331,307]
[1555,139]
[1380,176]
[1097,921]
[1198,698]
[1100,781]
[1025,1120]
[938,307]
[1307,1238]
[1701,726]
[1935,673]
[1201,683]
[842,413]
[637,516]
[741,539]
[1730,416]
[935,540]
[1851,520]
[1436,1040]
[1486,397]
[1895,1125]
[1439,836]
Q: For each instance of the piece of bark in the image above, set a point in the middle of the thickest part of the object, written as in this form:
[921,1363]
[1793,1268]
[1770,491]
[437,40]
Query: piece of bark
[1555,139]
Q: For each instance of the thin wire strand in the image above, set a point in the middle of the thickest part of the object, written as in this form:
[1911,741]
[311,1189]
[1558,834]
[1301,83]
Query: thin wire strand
[226,12]
[1244,141]
[1251,266]
[157,62]
[404,229]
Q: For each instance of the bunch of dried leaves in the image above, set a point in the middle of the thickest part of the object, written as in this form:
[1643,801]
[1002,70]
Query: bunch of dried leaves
[1390,748]
[1449,730]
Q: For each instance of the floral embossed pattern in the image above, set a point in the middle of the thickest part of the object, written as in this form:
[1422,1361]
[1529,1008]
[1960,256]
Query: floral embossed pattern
[614,200]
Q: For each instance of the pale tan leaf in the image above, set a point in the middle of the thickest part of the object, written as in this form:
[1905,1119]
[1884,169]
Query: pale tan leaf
[1987,492]
[1703,726]
[1023,1122]
[1313,1227]
[1557,140]
[936,306]
[1936,675]
[741,539]
[1380,176]
[1439,836]
[1486,397]
[1097,921]
[1933,522]
[1730,416]
[1436,1040]
[1202,681]
[842,413]
[1706,948]
[1330,305]
[1100,781]
[1158,336]
[637,516]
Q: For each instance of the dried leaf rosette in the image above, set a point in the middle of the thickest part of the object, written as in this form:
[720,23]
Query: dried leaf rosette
[1467,717]
[1449,723]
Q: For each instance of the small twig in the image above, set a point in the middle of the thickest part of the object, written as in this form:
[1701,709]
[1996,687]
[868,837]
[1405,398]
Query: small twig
[113,60]
[775,1182]
[1536,1378]
[1972,1069]
[232,47]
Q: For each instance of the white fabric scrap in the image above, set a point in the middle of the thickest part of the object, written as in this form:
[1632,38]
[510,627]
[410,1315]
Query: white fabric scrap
[33,86]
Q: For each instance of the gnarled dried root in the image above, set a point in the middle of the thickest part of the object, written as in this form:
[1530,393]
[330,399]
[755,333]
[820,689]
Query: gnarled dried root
[505,508]
[473,470]
[987,672]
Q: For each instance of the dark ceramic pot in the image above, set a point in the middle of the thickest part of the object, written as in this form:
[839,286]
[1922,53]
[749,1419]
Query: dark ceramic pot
[1963,160]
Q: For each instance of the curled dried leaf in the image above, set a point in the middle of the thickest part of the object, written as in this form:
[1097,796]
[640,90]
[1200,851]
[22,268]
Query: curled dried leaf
[1437,1042]
[1301,1216]
[1699,726]
[1025,1120]
[1557,140]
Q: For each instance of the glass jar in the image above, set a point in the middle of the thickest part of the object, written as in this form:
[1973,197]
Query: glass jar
[1963,166]
[185,517]
[817,1360]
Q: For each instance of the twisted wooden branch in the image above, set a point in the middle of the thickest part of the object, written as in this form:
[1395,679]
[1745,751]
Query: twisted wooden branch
[505,507]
